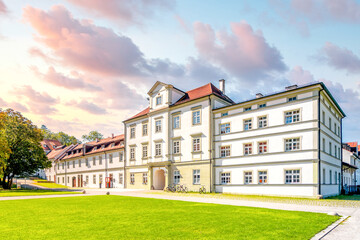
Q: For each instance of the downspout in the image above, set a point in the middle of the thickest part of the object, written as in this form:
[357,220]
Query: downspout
[210,141]
[319,144]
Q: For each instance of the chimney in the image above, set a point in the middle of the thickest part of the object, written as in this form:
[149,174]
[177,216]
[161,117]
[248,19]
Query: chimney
[291,87]
[259,95]
[112,135]
[222,85]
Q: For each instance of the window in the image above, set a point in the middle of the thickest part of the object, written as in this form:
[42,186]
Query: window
[145,151]
[335,177]
[86,180]
[144,129]
[132,132]
[176,147]
[73,163]
[247,148]
[158,149]
[121,157]
[94,149]
[132,178]
[262,122]
[330,123]
[79,162]
[224,114]
[323,117]
[158,100]
[262,105]
[196,117]
[335,128]
[247,109]
[247,177]
[196,176]
[335,151]
[132,153]
[176,177]
[225,151]
[292,144]
[58,166]
[291,99]
[330,176]
[94,179]
[247,124]
[68,179]
[324,176]
[176,122]
[338,131]
[145,178]
[63,179]
[224,128]
[323,145]
[330,150]
[292,116]
[262,147]
[158,126]
[100,178]
[121,178]
[68,165]
[225,178]
[102,146]
[63,165]
[196,144]
[292,176]
[58,180]
[113,145]
[110,158]
[100,160]
[262,177]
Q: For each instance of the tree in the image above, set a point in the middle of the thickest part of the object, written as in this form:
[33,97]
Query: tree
[62,137]
[93,135]
[21,152]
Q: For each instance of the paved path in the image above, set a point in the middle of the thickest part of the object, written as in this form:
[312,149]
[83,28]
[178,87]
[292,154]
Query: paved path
[349,229]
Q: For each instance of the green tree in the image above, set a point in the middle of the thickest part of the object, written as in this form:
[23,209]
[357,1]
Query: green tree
[62,137]
[21,152]
[92,136]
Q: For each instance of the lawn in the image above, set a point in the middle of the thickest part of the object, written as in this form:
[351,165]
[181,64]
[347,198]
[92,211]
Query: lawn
[46,184]
[25,192]
[119,217]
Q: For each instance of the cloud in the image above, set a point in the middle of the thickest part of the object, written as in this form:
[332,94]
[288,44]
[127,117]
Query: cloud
[124,12]
[58,79]
[243,52]
[88,107]
[339,58]
[299,76]
[3,8]
[13,105]
[39,103]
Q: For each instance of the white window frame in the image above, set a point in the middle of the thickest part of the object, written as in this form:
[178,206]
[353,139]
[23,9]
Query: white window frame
[176,122]
[292,176]
[291,142]
[121,178]
[262,176]
[225,128]
[262,147]
[262,122]
[225,151]
[196,117]
[145,178]
[158,126]
[144,151]
[158,100]
[248,148]
[132,178]
[132,132]
[110,158]
[196,176]
[248,177]
[225,178]
[292,116]
[196,144]
[158,150]
[177,176]
[132,153]
[121,156]
[176,147]
[247,124]
[145,129]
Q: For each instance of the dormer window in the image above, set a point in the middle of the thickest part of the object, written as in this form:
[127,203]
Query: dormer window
[113,145]
[54,146]
[158,100]
[247,109]
[102,146]
[95,148]
[45,146]
[122,143]
[291,99]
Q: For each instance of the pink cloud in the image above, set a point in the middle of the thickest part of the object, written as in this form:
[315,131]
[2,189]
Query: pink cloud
[3,8]
[299,76]
[340,58]
[88,107]
[13,105]
[243,52]
[124,12]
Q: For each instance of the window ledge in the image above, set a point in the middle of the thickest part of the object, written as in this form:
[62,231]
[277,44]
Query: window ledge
[196,151]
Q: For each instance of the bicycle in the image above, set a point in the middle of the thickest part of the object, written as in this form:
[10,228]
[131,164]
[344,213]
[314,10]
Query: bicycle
[171,188]
[202,189]
[181,188]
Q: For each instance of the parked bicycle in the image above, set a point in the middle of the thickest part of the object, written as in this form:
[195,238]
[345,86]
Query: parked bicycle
[181,188]
[171,188]
[202,189]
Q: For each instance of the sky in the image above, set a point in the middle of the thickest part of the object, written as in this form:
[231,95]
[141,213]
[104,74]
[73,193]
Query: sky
[82,65]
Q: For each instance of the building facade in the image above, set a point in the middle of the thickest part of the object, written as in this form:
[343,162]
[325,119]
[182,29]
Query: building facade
[281,144]
[351,167]
[170,141]
[97,164]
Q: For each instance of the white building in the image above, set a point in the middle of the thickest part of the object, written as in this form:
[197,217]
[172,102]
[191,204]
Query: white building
[286,143]
[351,167]
[97,164]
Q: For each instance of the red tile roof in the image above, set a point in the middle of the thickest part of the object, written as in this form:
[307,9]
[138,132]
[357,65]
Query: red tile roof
[352,144]
[50,143]
[193,94]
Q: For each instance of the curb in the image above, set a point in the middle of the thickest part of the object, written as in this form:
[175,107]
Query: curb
[327,230]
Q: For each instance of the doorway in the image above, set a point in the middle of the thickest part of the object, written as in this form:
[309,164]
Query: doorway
[159,179]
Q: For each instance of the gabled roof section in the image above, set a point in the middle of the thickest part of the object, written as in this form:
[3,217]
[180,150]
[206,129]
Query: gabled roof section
[142,113]
[352,144]
[203,91]
[164,84]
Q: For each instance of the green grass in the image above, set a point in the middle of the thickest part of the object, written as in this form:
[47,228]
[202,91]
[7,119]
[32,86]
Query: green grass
[346,197]
[119,217]
[49,185]
[25,192]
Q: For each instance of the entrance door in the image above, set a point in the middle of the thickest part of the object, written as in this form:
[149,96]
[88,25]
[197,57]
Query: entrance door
[159,179]
[74,182]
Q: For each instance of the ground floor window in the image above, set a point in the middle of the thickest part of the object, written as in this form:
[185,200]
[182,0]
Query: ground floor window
[58,180]
[176,177]
[94,179]
[196,176]
[87,180]
[100,179]
[63,179]
[335,177]
[132,178]
[225,178]
[292,176]
[330,176]
[121,178]
[68,180]
[262,177]
[145,178]
[247,177]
